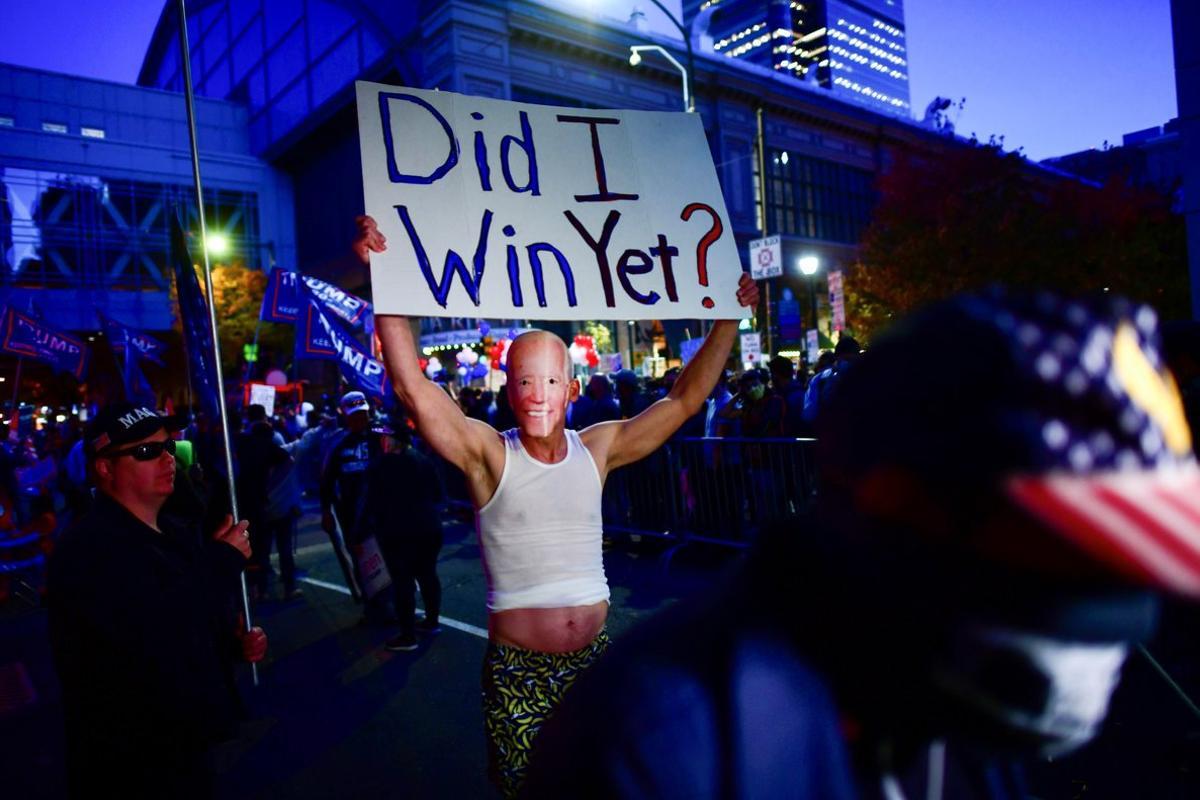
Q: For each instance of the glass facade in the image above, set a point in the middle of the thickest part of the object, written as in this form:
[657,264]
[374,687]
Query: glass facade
[817,199]
[855,48]
[61,230]
[867,55]
[283,59]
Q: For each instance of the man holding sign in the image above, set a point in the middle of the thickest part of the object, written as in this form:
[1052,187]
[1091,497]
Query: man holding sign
[537,490]
[521,211]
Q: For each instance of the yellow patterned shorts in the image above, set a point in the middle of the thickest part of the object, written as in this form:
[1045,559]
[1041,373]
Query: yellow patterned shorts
[521,689]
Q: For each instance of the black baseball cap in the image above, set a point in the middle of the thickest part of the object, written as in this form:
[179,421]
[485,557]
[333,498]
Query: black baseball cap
[122,423]
[1061,408]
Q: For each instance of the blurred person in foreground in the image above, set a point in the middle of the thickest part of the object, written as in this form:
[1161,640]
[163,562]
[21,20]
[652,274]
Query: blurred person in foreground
[537,491]
[143,622]
[988,545]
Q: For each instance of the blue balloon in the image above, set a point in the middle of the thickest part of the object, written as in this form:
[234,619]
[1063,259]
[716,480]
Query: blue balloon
[484,328]
[479,371]
[512,333]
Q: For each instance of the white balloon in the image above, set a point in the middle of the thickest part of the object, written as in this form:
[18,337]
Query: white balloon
[578,354]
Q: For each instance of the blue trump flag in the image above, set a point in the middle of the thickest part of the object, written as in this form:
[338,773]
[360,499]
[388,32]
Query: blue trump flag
[133,346]
[23,335]
[197,331]
[285,298]
[137,389]
[320,336]
[139,344]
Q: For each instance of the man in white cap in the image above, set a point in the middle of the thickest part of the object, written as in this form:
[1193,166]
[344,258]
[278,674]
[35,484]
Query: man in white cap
[344,483]
[537,489]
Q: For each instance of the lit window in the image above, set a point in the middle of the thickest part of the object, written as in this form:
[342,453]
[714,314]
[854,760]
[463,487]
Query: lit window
[7,122]
[54,127]
[92,133]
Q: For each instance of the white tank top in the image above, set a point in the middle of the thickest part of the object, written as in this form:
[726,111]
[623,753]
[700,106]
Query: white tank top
[540,533]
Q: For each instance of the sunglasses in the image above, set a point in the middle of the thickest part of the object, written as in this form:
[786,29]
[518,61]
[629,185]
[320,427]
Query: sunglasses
[147,451]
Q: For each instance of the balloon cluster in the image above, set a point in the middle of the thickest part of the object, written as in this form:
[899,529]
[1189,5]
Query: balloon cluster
[470,364]
[498,354]
[433,367]
[583,351]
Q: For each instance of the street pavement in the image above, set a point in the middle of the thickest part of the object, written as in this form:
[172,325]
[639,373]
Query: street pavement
[337,715]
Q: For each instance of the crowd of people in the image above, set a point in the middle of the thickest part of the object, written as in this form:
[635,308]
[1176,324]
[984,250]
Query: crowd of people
[952,605]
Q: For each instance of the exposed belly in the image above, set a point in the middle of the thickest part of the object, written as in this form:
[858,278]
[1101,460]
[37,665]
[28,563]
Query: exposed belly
[548,630]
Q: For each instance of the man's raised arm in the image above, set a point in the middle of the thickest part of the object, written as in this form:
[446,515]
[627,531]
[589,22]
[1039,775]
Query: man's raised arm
[439,420]
[620,443]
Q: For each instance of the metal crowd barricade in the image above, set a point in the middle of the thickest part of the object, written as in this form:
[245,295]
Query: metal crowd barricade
[718,490]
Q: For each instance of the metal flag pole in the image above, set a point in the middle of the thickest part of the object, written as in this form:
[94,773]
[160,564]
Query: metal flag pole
[16,391]
[185,52]
[762,219]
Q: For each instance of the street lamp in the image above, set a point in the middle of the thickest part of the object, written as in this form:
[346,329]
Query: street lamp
[217,244]
[635,58]
[689,72]
[808,267]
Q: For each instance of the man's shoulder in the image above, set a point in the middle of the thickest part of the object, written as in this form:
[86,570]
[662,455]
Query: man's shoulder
[90,543]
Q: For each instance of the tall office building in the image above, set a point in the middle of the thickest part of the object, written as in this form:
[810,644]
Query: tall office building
[854,48]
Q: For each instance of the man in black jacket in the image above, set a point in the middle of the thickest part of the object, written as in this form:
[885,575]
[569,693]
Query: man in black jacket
[403,478]
[141,622]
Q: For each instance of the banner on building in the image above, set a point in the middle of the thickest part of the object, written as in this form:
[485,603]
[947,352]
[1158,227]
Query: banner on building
[284,301]
[837,301]
[197,330]
[791,326]
[512,210]
[24,336]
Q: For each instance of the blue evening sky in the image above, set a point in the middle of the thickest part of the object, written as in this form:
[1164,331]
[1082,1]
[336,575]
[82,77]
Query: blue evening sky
[1053,76]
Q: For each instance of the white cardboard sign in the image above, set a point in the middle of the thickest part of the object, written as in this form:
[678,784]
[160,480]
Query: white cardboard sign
[263,395]
[514,210]
[752,348]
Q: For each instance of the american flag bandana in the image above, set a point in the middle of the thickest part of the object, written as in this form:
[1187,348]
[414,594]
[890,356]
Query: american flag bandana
[1121,481]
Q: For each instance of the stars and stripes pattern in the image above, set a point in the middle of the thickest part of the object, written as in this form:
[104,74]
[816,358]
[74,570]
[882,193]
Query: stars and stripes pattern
[1144,524]
[1115,471]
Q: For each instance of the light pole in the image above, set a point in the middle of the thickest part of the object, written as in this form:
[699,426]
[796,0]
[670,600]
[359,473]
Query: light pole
[808,268]
[635,58]
[688,73]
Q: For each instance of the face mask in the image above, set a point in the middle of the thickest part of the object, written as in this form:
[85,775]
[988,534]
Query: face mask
[756,392]
[1050,693]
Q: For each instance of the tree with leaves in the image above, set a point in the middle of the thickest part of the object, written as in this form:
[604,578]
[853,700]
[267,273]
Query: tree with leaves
[238,293]
[973,216]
